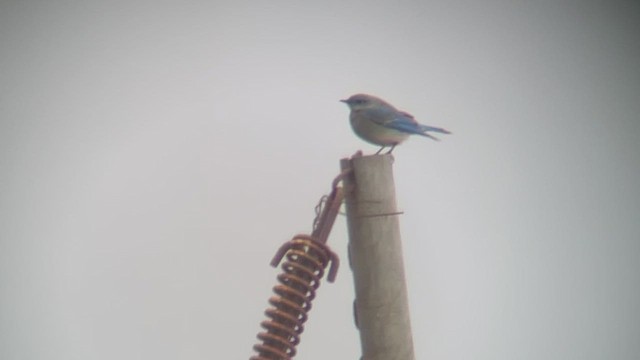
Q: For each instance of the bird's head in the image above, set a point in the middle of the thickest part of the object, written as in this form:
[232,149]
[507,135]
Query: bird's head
[363,101]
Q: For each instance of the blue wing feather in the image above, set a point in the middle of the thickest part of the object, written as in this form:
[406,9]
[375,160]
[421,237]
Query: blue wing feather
[401,121]
[405,124]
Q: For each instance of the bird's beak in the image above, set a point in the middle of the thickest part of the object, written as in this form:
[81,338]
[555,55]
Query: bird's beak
[344,101]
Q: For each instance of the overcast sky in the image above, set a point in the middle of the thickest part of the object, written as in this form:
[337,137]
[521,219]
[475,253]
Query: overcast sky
[154,155]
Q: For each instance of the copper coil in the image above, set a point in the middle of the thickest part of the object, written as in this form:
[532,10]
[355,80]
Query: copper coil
[306,259]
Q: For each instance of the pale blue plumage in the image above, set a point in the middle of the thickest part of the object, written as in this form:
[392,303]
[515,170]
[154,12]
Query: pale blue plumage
[379,123]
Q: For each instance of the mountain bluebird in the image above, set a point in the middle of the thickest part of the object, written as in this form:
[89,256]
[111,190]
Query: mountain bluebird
[378,122]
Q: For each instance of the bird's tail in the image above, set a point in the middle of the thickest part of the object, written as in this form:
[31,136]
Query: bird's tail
[426,128]
[429,136]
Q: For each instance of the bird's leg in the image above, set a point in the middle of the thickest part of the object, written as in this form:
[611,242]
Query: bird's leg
[392,147]
[378,152]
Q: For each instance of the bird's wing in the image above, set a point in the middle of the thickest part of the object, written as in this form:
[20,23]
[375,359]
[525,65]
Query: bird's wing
[401,121]
[405,122]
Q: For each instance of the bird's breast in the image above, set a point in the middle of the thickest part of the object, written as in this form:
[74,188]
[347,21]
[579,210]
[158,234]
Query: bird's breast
[374,133]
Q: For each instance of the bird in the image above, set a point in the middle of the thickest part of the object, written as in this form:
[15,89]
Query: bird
[380,123]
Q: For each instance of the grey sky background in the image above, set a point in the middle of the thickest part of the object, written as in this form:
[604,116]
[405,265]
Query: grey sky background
[154,155]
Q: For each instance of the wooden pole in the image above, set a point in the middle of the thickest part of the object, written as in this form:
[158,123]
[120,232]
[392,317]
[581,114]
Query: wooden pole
[375,252]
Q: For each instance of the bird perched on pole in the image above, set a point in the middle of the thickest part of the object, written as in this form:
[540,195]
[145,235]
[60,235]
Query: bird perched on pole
[378,122]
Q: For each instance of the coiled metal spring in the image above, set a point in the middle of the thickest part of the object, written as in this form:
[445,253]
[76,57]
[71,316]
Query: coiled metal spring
[306,260]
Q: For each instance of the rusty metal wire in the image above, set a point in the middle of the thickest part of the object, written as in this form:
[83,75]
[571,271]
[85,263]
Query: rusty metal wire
[306,258]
